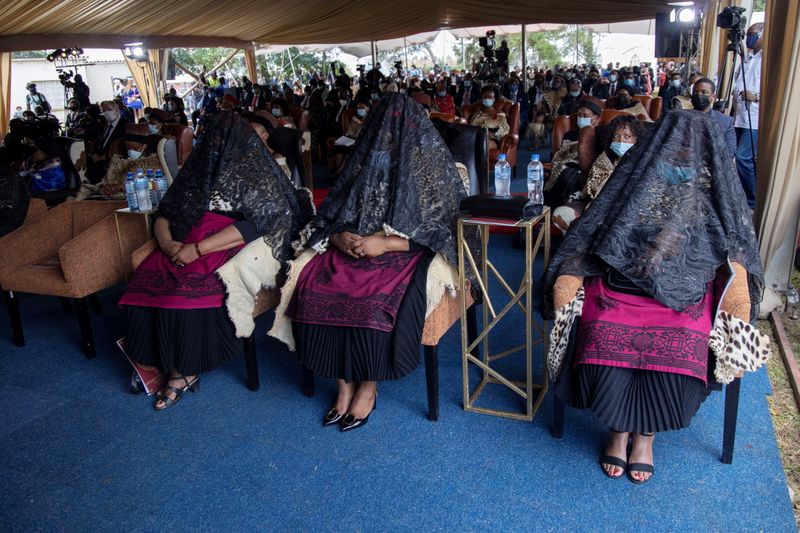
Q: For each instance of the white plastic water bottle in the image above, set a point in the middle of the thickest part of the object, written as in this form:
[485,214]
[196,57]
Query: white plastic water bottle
[535,181]
[502,177]
[142,191]
[130,193]
[151,186]
[161,184]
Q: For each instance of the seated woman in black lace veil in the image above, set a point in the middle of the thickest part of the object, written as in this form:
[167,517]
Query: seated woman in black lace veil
[653,289]
[230,192]
[358,307]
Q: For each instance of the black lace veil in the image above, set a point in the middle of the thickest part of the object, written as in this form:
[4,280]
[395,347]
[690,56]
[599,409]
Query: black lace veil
[669,216]
[231,163]
[400,177]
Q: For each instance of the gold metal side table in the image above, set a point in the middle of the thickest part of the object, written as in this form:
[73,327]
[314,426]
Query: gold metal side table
[536,232]
[146,216]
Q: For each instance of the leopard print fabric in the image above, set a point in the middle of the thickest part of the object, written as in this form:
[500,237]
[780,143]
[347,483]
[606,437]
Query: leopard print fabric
[559,335]
[737,346]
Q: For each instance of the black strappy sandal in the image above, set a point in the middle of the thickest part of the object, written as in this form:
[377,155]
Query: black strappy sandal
[168,402]
[640,467]
[613,461]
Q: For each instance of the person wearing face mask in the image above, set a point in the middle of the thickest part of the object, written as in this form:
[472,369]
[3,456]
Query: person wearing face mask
[625,103]
[632,83]
[491,118]
[468,91]
[443,102]
[512,90]
[73,115]
[746,91]
[566,177]
[704,94]
[624,132]
[572,101]
[607,87]
[280,110]
[674,87]
[590,81]
[98,150]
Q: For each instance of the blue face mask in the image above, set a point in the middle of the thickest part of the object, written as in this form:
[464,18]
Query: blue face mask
[629,83]
[574,94]
[752,40]
[612,78]
[620,148]
[442,94]
[488,102]
[361,112]
[584,121]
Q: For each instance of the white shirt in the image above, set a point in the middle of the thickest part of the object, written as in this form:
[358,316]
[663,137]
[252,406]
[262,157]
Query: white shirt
[752,73]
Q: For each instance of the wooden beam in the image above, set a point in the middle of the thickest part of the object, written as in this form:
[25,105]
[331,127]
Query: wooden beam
[789,360]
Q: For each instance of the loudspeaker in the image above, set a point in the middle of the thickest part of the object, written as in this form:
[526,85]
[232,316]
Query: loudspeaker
[668,36]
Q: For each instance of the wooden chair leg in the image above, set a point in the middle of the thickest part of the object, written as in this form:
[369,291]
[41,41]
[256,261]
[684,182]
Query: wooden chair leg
[94,302]
[66,304]
[251,363]
[307,381]
[731,413]
[432,381]
[12,303]
[559,409]
[82,310]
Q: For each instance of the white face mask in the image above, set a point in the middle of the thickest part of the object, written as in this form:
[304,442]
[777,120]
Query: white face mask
[152,128]
[676,84]
[111,116]
[584,121]
[276,111]
[134,154]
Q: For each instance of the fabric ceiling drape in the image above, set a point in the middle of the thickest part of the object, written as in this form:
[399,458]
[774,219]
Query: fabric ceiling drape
[142,72]
[777,184]
[250,63]
[5,91]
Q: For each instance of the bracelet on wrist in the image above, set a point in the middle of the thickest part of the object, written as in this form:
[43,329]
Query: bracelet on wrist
[197,249]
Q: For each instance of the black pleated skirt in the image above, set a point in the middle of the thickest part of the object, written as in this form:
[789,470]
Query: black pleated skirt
[191,341]
[627,399]
[364,354]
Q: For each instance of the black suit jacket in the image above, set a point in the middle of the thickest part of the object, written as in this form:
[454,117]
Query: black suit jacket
[118,133]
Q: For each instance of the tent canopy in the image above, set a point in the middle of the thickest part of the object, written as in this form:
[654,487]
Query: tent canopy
[32,24]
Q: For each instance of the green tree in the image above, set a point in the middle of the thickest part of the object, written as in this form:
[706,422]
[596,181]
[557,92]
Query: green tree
[759,5]
[579,45]
[30,54]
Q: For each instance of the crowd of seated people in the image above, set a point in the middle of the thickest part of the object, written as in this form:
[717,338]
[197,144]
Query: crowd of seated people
[387,219]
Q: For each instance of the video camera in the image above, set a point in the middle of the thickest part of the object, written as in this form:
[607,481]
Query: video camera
[64,75]
[361,70]
[732,19]
[487,43]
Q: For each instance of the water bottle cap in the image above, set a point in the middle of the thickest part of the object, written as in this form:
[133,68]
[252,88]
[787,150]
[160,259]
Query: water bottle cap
[534,157]
[501,157]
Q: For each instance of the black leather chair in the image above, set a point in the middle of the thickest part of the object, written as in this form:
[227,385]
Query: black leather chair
[288,142]
[470,147]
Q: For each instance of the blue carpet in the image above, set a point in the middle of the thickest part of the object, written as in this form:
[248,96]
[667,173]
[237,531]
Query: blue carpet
[81,454]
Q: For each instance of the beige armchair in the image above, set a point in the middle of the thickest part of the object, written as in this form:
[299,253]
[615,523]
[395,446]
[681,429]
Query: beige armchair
[72,251]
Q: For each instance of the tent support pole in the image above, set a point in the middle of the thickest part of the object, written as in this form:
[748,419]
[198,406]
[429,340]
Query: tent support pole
[374,52]
[405,51]
[524,50]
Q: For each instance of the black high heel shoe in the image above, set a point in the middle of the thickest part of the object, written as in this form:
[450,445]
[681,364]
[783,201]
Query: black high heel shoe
[332,417]
[351,422]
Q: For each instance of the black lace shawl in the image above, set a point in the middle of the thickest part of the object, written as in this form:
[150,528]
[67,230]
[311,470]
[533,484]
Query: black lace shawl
[669,216]
[14,199]
[231,164]
[400,174]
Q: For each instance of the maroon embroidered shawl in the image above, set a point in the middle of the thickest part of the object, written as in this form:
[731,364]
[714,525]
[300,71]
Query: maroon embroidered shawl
[625,330]
[159,283]
[335,289]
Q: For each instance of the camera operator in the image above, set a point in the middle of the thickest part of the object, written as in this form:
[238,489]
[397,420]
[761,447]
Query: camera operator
[36,101]
[80,91]
[747,97]
[73,115]
[501,54]
[375,77]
